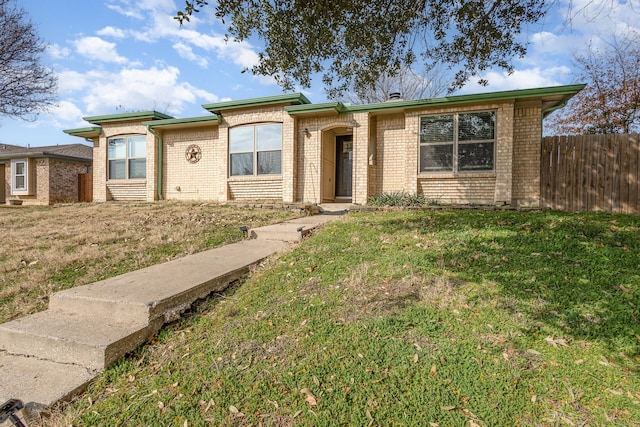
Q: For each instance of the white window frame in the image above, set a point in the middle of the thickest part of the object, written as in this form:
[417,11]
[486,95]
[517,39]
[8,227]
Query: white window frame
[255,151]
[127,157]
[456,143]
[23,190]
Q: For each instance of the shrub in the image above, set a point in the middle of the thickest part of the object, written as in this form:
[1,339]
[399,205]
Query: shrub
[401,199]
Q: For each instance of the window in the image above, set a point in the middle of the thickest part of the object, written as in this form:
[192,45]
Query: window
[255,150]
[19,176]
[127,157]
[457,142]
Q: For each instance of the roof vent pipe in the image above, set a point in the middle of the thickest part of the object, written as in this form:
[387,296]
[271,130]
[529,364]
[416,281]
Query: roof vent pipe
[395,96]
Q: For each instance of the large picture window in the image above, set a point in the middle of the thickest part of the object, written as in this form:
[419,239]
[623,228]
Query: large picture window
[255,150]
[127,157]
[461,142]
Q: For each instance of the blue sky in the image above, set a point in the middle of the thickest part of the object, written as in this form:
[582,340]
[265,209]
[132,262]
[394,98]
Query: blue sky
[115,56]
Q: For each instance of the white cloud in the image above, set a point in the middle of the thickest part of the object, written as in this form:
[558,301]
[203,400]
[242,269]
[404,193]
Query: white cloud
[142,89]
[187,53]
[67,114]
[109,31]
[161,25]
[139,9]
[71,81]
[519,79]
[98,49]
[58,52]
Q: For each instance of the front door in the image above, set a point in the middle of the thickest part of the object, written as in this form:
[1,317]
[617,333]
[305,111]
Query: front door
[344,165]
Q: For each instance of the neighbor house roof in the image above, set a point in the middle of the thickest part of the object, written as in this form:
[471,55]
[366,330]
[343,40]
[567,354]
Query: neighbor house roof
[67,151]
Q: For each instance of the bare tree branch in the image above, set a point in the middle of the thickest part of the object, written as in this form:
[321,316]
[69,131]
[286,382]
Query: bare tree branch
[611,101]
[27,87]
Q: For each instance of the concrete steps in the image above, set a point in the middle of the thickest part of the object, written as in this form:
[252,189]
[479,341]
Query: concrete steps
[71,338]
[50,356]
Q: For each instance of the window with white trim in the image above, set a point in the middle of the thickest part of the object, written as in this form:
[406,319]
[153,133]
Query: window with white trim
[19,176]
[255,150]
[460,142]
[127,157]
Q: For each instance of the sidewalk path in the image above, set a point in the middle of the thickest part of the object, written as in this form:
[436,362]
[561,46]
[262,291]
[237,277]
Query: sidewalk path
[52,355]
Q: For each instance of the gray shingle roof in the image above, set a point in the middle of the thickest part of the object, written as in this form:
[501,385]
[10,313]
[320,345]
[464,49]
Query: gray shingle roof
[78,151]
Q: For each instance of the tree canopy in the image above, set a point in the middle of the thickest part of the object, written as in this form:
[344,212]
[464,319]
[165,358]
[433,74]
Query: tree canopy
[407,83]
[611,101]
[26,86]
[354,42]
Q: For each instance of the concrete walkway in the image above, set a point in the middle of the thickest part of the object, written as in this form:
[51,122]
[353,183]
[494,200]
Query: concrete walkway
[52,355]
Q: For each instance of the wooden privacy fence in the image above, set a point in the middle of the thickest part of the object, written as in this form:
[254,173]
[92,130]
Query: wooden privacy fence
[85,187]
[591,173]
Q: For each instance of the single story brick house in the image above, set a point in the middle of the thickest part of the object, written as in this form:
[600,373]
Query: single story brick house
[42,175]
[480,149]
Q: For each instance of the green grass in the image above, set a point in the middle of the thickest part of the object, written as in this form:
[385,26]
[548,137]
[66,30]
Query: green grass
[444,318]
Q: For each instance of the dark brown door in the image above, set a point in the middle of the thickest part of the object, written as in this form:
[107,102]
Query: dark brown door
[344,165]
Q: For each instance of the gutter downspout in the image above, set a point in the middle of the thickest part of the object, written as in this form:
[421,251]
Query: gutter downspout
[159,162]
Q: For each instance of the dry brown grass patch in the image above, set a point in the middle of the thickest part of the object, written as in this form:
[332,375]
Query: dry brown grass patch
[46,249]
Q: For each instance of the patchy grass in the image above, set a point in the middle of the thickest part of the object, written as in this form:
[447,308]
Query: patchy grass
[447,318]
[46,249]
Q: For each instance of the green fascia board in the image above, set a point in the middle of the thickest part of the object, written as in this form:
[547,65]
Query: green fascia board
[186,121]
[337,107]
[141,115]
[569,90]
[293,98]
[88,132]
[566,91]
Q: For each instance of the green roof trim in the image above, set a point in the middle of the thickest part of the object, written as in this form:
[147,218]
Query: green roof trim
[88,132]
[337,107]
[204,120]
[140,115]
[566,92]
[287,98]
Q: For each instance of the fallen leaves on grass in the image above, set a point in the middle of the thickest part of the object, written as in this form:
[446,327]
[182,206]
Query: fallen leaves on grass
[310,398]
[555,342]
[235,411]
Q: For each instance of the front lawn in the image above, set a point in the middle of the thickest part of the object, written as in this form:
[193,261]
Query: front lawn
[419,318]
[47,249]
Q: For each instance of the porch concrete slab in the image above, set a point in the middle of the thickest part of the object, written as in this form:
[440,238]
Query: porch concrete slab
[165,290]
[335,208]
[40,383]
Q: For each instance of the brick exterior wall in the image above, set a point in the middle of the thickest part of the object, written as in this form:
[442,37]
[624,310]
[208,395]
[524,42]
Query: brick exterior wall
[52,180]
[183,180]
[527,134]
[5,182]
[385,158]
[63,180]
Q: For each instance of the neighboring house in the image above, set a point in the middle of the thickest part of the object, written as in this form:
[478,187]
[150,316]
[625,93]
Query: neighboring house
[480,149]
[42,175]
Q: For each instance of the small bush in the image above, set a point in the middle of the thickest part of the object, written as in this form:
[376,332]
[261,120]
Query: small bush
[401,199]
